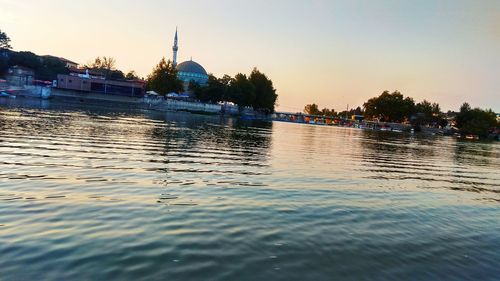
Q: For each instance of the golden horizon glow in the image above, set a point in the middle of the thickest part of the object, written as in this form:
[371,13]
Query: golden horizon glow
[332,53]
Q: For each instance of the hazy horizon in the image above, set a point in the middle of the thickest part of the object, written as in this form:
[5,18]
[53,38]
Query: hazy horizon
[332,53]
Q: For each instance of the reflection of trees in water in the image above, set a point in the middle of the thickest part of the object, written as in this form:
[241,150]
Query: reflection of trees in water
[248,139]
[182,131]
[431,162]
[475,169]
[67,118]
[398,146]
[475,153]
[33,122]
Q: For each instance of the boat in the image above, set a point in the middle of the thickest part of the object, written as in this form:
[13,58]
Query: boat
[7,95]
[471,137]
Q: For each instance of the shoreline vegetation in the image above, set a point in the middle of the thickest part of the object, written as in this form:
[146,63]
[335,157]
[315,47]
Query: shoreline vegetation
[255,91]
[469,123]
[254,95]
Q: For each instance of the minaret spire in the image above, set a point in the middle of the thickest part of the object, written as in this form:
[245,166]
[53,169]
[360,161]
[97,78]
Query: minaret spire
[175,48]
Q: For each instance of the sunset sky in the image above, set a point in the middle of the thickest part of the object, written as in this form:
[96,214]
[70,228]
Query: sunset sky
[332,53]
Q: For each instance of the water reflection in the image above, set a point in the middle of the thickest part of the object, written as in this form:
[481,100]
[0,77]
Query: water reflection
[475,153]
[435,162]
[94,193]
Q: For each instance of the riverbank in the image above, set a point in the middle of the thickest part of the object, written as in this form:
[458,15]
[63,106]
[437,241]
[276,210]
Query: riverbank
[98,193]
[156,103]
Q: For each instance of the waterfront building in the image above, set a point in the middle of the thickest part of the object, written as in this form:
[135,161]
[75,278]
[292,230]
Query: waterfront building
[20,76]
[84,80]
[188,71]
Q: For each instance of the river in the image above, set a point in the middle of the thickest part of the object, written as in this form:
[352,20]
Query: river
[94,193]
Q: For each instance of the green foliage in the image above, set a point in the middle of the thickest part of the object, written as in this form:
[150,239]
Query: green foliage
[131,75]
[26,59]
[255,90]
[427,113]
[328,112]
[242,91]
[163,79]
[49,69]
[312,109]
[45,68]
[212,92]
[265,94]
[106,65]
[353,111]
[4,41]
[116,75]
[4,65]
[389,107]
[465,107]
[475,121]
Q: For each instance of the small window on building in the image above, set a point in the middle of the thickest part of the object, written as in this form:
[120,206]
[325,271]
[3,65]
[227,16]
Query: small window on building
[70,81]
[62,79]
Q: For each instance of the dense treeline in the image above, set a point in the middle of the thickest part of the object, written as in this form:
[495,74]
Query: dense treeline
[475,121]
[255,90]
[45,67]
[313,109]
[394,107]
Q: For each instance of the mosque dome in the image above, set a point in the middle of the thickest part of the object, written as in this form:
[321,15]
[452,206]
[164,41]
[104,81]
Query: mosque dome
[191,67]
[191,71]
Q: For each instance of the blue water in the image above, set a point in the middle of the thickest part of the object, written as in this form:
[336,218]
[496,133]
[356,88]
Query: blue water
[93,193]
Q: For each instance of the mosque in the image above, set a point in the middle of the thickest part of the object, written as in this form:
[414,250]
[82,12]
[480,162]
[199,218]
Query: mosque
[189,70]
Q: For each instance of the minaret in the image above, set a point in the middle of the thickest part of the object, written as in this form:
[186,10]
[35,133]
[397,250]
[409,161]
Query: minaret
[175,48]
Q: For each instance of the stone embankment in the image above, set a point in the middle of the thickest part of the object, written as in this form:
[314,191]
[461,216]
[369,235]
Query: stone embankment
[149,102]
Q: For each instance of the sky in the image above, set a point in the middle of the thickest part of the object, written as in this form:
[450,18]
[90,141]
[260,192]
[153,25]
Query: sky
[332,53]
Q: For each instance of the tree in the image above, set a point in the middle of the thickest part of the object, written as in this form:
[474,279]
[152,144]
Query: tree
[465,107]
[225,82]
[49,68]
[327,112]
[475,121]
[4,66]
[265,94]
[163,79]
[423,112]
[131,75]
[389,107]
[4,41]
[45,67]
[106,65]
[213,91]
[312,109]
[242,91]
[26,59]
[116,75]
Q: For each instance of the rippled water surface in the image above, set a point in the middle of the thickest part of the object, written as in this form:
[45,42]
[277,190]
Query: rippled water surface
[89,193]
